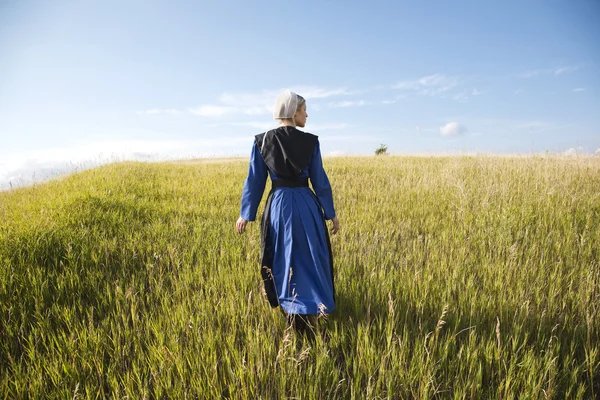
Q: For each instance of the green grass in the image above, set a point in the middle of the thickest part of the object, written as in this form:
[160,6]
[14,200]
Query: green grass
[456,277]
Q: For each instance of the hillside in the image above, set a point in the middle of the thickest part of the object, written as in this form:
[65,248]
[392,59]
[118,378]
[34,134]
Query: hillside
[463,277]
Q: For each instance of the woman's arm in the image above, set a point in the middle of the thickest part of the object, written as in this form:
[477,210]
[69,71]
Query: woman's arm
[322,187]
[254,186]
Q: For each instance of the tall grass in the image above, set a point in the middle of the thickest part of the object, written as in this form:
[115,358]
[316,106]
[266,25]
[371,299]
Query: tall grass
[456,277]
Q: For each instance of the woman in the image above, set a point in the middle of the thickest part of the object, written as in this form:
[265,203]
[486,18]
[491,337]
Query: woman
[296,259]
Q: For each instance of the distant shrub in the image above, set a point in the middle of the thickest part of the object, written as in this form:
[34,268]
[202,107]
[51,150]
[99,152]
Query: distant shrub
[381,151]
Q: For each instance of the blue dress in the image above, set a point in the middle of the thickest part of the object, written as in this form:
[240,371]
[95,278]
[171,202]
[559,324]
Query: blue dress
[301,267]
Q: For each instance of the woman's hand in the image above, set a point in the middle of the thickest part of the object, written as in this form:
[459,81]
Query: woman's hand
[240,225]
[336,225]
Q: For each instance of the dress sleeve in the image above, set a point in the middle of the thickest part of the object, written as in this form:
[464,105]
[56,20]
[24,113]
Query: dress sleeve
[320,183]
[254,186]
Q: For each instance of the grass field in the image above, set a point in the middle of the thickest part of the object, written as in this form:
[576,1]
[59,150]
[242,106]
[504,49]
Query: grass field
[456,277]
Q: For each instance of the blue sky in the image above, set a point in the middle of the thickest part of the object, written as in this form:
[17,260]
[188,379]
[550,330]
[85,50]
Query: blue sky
[84,82]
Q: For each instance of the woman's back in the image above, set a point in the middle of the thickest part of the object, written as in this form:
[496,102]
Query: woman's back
[296,260]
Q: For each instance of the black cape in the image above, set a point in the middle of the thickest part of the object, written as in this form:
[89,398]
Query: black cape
[286,150]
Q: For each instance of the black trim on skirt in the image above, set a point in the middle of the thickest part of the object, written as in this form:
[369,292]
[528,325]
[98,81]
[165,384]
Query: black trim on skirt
[266,248]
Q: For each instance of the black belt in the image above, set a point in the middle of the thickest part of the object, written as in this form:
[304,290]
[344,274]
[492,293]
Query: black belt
[278,183]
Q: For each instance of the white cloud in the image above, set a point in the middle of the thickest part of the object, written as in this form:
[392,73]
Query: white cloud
[388,101]
[273,124]
[519,91]
[267,97]
[344,104]
[212,111]
[529,74]
[328,127]
[259,103]
[349,138]
[312,92]
[256,124]
[245,99]
[560,70]
[150,112]
[465,94]
[336,153]
[597,152]
[462,96]
[579,90]
[548,71]
[257,110]
[157,111]
[452,129]
[430,85]
[573,151]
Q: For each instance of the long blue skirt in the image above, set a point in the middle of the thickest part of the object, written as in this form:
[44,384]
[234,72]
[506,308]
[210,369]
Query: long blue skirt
[302,266]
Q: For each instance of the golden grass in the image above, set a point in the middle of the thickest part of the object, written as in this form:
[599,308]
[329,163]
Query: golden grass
[456,277]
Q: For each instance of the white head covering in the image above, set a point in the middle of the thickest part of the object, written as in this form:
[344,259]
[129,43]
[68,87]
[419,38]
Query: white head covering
[285,105]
